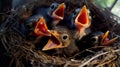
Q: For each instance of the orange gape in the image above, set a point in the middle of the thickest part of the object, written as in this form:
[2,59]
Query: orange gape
[105,41]
[82,22]
[41,28]
[58,14]
[53,42]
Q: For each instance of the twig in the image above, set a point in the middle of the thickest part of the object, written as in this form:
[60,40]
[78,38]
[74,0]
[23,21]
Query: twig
[100,65]
[67,63]
[113,4]
[82,65]
[35,54]
[89,50]
[10,65]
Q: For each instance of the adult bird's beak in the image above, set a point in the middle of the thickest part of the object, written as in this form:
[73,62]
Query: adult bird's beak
[82,22]
[105,41]
[53,42]
[58,14]
[41,28]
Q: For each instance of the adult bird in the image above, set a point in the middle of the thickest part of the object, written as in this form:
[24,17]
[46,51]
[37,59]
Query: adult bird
[79,20]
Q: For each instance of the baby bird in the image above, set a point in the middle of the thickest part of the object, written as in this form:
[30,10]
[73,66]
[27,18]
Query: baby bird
[95,39]
[80,20]
[105,41]
[63,40]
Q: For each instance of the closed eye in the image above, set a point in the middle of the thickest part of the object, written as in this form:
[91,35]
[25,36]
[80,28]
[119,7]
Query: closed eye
[53,6]
[76,12]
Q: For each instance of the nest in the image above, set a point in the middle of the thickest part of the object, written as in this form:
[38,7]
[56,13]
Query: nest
[21,52]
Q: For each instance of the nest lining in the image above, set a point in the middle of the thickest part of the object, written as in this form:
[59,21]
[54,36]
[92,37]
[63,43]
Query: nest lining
[22,52]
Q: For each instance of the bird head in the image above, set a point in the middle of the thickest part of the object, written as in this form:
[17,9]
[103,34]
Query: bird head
[56,11]
[95,39]
[41,28]
[105,41]
[82,22]
[70,19]
[59,38]
[102,39]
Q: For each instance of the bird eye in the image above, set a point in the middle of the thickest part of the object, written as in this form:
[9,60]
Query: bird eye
[76,12]
[53,6]
[64,37]
[94,39]
[29,25]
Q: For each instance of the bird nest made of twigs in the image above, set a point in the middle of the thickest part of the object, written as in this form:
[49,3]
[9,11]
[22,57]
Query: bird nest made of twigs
[21,51]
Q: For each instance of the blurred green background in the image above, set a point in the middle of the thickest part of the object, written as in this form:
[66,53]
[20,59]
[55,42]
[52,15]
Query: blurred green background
[108,4]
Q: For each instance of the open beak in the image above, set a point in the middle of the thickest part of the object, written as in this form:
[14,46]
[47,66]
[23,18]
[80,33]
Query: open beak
[58,14]
[41,28]
[105,41]
[82,21]
[53,42]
